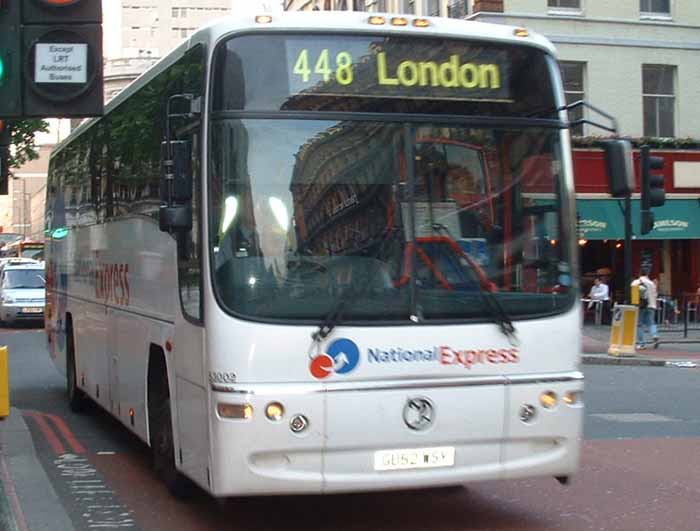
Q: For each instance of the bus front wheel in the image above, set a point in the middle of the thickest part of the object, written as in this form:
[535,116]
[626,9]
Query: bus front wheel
[162,443]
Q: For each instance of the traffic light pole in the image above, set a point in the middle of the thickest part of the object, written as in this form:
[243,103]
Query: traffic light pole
[628,248]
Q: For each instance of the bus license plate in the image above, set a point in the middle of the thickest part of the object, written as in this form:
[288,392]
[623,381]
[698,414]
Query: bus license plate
[32,310]
[414,458]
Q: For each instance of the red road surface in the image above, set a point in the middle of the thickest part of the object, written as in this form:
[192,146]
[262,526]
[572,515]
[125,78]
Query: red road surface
[635,485]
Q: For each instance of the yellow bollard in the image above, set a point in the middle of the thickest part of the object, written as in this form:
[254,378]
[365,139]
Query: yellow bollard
[635,295]
[4,383]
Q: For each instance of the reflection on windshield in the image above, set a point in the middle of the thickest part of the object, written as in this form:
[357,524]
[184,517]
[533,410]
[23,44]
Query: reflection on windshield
[23,278]
[399,219]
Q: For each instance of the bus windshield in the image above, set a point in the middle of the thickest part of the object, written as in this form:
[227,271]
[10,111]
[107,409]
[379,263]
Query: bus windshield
[398,219]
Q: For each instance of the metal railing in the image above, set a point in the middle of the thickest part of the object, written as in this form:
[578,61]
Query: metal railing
[679,315]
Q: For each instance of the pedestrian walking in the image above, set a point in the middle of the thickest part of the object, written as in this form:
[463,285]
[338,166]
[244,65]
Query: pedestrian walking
[648,296]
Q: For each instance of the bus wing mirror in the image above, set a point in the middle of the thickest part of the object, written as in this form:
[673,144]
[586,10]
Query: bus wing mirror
[176,218]
[175,171]
[618,156]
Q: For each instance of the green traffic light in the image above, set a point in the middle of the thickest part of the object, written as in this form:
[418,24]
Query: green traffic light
[2,70]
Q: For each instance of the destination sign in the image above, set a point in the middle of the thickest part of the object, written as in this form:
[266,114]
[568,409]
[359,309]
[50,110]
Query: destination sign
[381,74]
[397,68]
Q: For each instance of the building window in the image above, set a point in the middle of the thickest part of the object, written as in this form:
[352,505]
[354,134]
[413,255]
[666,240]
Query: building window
[655,8]
[572,75]
[457,9]
[432,8]
[370,5]
[566,6]
[407,6]
[659,100]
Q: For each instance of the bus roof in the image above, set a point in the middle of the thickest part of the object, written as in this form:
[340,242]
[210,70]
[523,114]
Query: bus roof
[323,22]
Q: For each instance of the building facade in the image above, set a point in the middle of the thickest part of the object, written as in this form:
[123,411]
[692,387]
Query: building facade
[636,59]
[139,32]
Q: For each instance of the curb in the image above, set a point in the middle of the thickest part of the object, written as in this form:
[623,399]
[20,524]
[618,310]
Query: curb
[605,359]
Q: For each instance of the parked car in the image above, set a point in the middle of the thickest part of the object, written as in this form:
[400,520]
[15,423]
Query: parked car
[22,292]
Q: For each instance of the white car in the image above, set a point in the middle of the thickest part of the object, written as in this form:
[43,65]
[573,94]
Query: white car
[22,292]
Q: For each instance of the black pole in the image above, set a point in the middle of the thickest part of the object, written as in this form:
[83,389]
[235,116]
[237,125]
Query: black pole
[628,248]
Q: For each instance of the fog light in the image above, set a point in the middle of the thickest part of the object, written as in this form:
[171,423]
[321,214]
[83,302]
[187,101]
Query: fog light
[298,423]
[235,411]
[274,411]
[548,400]
[572,398]
[527,413]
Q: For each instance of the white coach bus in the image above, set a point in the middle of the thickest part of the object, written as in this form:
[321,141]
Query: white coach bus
[314,253]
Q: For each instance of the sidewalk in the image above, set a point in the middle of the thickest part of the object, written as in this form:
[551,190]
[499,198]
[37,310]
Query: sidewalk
[29,501]
[596,340]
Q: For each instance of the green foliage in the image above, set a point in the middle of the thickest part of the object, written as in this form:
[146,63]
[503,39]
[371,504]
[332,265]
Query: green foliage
[652,142]
[23,132]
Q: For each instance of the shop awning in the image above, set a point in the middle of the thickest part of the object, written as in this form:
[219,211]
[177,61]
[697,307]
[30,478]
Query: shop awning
[602,219]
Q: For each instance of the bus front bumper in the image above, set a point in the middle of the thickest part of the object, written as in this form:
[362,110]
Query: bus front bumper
[360,439]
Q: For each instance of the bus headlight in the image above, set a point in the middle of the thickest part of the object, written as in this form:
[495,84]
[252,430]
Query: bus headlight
[548,400]
[571,398]
[234,411]
[274,411]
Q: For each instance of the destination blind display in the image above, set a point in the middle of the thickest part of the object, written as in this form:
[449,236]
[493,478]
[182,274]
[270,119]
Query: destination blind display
[382,74]
[397,68]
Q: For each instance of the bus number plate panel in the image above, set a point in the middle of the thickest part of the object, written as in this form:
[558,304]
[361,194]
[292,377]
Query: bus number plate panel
[413,458]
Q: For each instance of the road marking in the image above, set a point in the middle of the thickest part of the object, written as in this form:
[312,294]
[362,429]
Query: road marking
[99,507]
[634,417]
[67,434]
[50,434]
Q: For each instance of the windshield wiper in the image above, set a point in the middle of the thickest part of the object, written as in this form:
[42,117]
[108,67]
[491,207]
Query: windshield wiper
[496,311]
[335,315]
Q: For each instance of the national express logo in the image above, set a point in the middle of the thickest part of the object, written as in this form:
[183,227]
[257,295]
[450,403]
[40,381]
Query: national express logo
[341,357]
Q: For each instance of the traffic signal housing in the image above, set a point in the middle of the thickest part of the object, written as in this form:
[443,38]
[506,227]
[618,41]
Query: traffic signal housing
[10,64]
[652,187]
[62,56]
[51,58]
[5,141]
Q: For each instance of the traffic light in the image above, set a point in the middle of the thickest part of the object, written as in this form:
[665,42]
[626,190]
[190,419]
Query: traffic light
[62,55]
[10,65]
[5,141]
[652,188]
[51,58]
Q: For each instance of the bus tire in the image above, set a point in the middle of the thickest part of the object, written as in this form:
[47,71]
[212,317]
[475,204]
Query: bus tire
[162,442]
[77,399]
